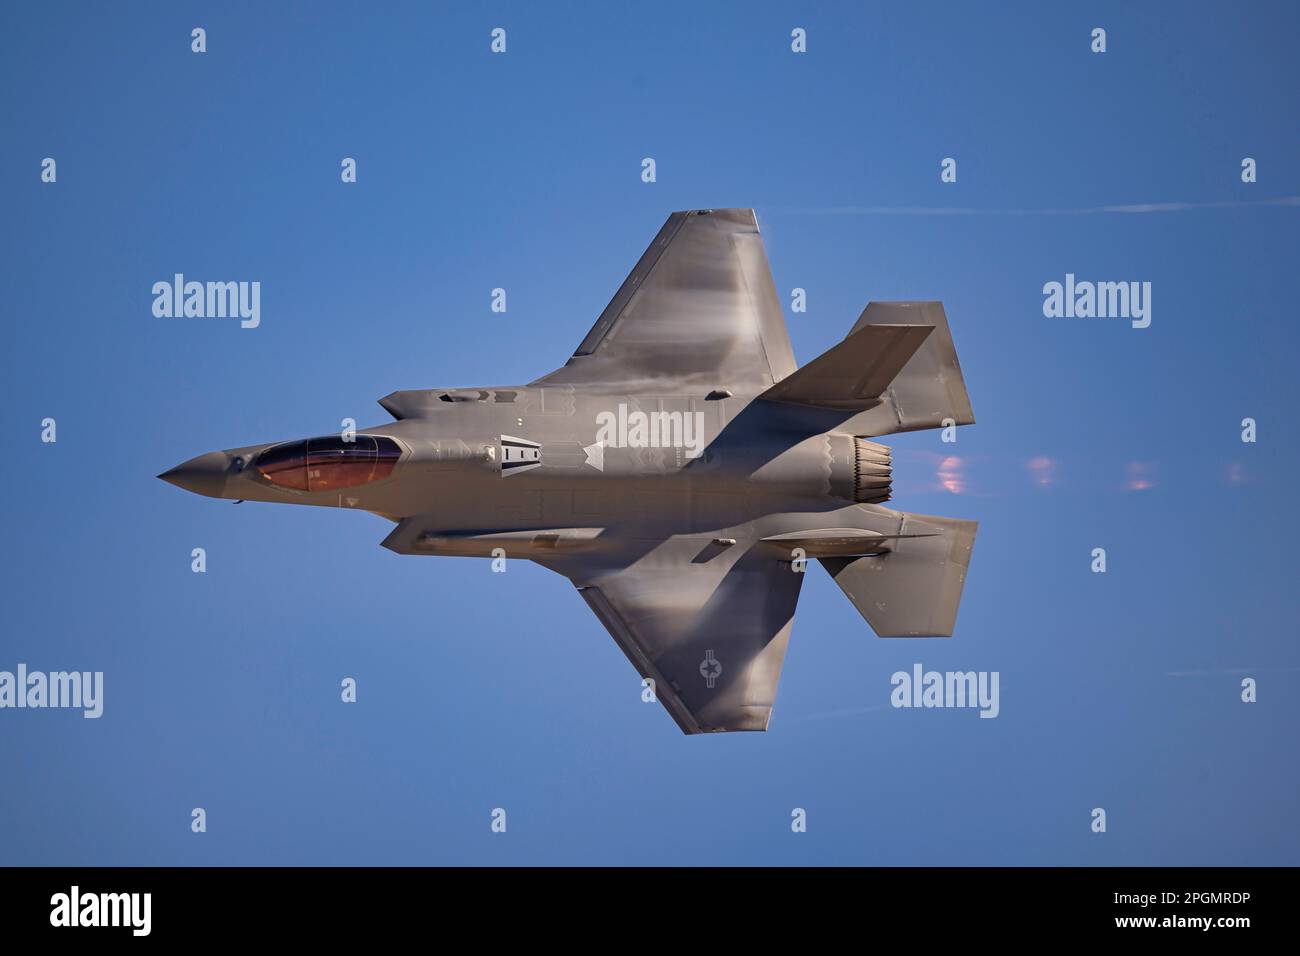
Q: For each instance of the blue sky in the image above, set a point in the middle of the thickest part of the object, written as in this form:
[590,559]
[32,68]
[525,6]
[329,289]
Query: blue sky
[523,171]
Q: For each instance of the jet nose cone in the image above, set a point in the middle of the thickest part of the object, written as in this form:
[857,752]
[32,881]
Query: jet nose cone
[204,475]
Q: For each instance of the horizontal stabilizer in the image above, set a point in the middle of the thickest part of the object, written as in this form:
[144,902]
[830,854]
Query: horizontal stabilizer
[854,374]
[913,589]
[930,391]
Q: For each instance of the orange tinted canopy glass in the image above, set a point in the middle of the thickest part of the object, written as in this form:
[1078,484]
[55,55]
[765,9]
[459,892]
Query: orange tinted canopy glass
[323,464]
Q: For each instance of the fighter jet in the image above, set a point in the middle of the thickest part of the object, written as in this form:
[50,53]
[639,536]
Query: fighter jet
[680,470]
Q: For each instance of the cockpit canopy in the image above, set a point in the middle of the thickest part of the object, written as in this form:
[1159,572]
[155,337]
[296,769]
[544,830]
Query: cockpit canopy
[324,464]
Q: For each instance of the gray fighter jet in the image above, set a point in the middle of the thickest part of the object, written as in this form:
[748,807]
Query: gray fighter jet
[679,469]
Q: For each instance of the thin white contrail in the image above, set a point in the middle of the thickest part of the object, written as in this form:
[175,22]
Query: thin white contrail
[1124,209]
[849,712]
[1233,670]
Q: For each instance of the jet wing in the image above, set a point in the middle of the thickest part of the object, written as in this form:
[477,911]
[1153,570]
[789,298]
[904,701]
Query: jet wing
[699,311]
[707,624]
